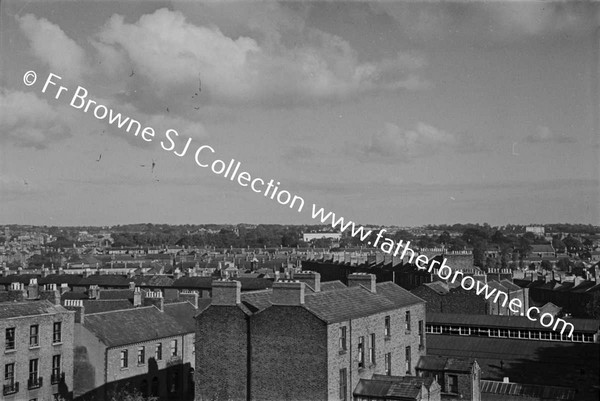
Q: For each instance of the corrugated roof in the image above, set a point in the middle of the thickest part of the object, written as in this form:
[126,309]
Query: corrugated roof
[133,326]
[527,390]
[30,308]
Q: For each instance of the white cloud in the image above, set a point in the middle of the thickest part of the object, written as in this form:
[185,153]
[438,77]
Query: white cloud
[51,45]
[395,144]
[172,53]
[544,134]
[30,121]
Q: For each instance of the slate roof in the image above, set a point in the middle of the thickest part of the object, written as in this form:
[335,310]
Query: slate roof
[30,308]
[332,285]
[527,390]
[581,325]
[392,387]
[439,363]
[256,300]
[350,303]
[115,294]
[132,326]
[105,280]
[438,287]
[153,281]
[541,248]
[183,312]
[398,295]
[97,306]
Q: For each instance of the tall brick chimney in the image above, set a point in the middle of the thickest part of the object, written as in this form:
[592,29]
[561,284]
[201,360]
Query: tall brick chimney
[288,293]
[313,279]
[137,297]
[226,292]
[51,293]
[77,306]
[32,289]
[366,280]
[154,298]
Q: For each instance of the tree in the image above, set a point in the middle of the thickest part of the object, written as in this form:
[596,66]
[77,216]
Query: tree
[546,265]
[593,307]
[563,264]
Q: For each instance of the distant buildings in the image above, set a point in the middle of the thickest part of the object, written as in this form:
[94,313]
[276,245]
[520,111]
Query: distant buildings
[307,237]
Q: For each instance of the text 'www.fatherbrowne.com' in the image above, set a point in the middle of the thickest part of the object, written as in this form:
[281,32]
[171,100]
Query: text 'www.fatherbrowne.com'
[203,156]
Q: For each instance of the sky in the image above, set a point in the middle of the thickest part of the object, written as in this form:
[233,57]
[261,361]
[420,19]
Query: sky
[392,113]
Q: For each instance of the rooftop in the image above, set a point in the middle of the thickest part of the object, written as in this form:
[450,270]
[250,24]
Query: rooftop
[10,310]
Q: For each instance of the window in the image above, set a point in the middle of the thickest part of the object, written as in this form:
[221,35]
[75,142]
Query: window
[464,331]
[9,374]
[57,332]
[124,359]
[343,338]
[158,352]
[421,334]
[453,384]
[407,325]
[35,380]
[343,385]
[34,338]
[55,378]
[141,355]
[545,335]
[173,347]
[372,349]
[10,338]
[388,364]
[388,328]
[503,333]
[361,352]
[408,361]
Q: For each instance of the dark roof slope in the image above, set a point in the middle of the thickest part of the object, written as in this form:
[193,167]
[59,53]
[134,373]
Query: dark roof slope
[398,295]
[332,285]
[30,308]
[184,313]
[133,326]
[97,306]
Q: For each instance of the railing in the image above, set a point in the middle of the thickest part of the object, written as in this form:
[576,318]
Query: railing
[57,378]
[34,383]
[10,388]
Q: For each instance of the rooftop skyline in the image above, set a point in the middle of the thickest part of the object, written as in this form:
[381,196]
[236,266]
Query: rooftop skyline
[387,113]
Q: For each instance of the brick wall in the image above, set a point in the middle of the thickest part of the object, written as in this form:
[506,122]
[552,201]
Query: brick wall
[44,353]
[222,342]
[289,355]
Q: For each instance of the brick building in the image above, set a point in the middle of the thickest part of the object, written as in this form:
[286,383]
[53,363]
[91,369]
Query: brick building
[457,377]
[303,340]
[36,348]
[148,349]
[443,299]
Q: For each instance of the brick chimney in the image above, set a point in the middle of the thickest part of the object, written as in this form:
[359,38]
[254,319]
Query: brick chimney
[32,289]
[288,293]
[190,296]
[16,292]
[77,306]
[313,279]
[137,297]
[51,293]
[94,292]
[366,280]
[154,298]
[226,292]
[64,287]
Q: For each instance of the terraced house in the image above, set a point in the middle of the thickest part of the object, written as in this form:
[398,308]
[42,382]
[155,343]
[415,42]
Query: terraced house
[304,339]
[36,348]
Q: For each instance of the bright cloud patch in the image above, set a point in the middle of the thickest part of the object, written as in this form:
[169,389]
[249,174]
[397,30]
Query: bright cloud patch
[30,121]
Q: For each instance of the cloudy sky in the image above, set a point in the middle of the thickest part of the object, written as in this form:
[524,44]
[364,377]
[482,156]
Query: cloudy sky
[398,113]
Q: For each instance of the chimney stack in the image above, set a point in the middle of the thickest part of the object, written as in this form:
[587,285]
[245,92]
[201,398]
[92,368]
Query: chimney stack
[190,296]
[226,293]
[137,297]
[288,293]
[94,292]
[313,279]
[366,280]
[16,292]
[51,293]
[154,298]
[77,306]
[32,289]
